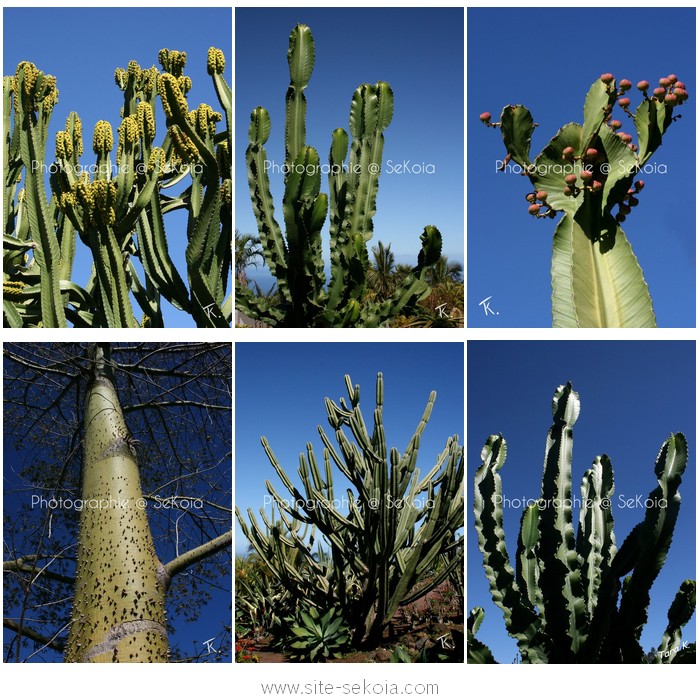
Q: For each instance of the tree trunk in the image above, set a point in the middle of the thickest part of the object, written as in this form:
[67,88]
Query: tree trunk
[119,605]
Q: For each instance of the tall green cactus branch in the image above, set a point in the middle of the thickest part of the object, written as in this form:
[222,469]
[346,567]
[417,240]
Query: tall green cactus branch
[398,525]
[562,604]
[306,298]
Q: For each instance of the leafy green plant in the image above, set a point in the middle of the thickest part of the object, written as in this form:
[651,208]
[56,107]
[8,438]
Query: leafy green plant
[587,171]
[398,525]
[295,259]
[400,656]
[317,637]
[561,602]
[118,214]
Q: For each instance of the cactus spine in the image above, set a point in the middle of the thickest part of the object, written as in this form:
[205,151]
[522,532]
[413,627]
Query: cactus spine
[399,524]
[587,171]
[295,260]
[561,601]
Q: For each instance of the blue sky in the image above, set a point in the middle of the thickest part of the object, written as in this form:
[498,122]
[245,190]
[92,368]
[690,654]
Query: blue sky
[509,252]
[420,53]
[284,402]
[108,39]
[633,395]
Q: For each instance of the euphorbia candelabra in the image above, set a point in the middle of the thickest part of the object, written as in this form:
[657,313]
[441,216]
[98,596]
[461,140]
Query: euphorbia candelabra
[587,171]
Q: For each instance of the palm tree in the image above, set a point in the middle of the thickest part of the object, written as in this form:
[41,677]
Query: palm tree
[380,275]
[444,271]
[247,250]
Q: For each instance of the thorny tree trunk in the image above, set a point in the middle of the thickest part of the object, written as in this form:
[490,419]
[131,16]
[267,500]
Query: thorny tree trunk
[119,605]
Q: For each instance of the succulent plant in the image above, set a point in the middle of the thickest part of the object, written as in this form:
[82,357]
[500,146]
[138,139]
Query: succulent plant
[119,213]
[307,298]
[575,596]
[596,279]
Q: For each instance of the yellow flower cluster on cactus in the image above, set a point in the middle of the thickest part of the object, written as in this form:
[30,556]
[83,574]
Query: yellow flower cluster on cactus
[183,145]
[171,94]
[120,78]
[216,63]
[146,120]
[129,134]
[204,120]
[223,157]
[156,160]
[105,196]
[172,61]
[64,146]
[38,91]
[226,192]
[13,289]
[102,140]
[133,70]
[77,133]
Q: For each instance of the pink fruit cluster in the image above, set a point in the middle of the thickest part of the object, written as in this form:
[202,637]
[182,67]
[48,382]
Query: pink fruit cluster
[629,201]
[538,205]
[670,90]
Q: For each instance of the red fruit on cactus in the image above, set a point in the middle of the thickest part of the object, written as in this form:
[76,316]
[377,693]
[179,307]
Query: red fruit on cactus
[530,197]
[671,99]
[642,85]
[659,92]
[533,209]
[614,124]
[568,153]
[591,153]
[625,209]
[485,117]
[596,186]
[567,191]
[607,78]
[679,84]
[542,196]
[625,138]
[633,201]
[624,102]
[664,82]
[624,85]
[570,179]
[586,175]
[673,78]
[639,185]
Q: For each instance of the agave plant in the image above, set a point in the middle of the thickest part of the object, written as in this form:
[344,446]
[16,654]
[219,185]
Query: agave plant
[317,637]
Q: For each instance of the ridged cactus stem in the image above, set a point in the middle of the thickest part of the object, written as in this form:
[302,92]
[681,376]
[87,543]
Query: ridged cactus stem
[380,551]
[306,298]
[561,602]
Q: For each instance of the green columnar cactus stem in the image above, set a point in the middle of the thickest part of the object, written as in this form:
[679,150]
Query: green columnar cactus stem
[118,214]
[119,604]
[596,279]
[306,298]
[400,522]
[561,604]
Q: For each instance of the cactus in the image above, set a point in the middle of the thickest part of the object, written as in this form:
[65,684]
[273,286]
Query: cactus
[596,279]
[119,213]
[295,260]
[383,547]
[561,601]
